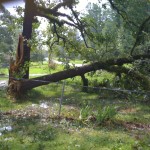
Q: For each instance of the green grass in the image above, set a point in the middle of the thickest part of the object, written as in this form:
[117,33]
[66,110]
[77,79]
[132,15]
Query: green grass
[60,139]
[37,68]
[77,61]
[3,70]
[32,131]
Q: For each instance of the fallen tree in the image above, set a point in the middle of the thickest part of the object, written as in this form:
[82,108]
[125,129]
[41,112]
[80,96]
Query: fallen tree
[19,86]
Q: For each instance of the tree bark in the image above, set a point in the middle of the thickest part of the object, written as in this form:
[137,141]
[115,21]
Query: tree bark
[85,83]
[30,11]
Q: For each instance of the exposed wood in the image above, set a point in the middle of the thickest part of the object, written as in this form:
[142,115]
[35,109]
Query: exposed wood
[16,65]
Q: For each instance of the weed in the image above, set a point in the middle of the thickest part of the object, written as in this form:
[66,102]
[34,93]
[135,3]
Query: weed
[85,112]
[105,114]
[100,116]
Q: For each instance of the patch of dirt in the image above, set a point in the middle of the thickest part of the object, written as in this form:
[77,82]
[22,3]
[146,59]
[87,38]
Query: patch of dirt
[136,126]
[43,111]
[31,111]
[128,110]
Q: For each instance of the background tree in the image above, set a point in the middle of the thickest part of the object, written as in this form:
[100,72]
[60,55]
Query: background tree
[5,38]
[9,30]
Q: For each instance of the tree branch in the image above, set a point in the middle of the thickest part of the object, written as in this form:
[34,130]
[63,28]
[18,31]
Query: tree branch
[46,12]
[144,80]
[121,13]
[138,37]
[65,3]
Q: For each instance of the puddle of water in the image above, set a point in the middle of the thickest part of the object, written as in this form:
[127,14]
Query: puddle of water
[44,105]
[6,128]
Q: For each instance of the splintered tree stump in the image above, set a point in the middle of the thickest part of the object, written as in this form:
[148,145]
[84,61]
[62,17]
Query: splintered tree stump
[16,69]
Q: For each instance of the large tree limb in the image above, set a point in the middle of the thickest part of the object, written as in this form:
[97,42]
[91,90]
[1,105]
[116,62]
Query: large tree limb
[65,3]
[54,16]
[43,80]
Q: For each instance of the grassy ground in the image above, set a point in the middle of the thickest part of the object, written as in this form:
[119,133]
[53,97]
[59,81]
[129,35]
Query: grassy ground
[88,121]
[97,120]
[3,70]
[77,61]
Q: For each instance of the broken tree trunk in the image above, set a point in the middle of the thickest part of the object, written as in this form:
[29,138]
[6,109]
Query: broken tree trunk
[19,85]
[16,69]
[20,68]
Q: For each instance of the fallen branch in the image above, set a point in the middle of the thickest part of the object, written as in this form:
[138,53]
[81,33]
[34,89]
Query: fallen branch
[78,71]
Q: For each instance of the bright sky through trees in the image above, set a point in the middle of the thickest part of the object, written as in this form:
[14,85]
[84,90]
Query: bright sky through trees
[81,6]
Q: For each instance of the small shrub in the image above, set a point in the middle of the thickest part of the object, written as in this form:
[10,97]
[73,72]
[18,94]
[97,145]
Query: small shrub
[100,116]
[105,114]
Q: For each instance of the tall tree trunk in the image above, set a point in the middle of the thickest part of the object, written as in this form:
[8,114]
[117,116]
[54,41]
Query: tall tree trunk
[18,69]
[29,14]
